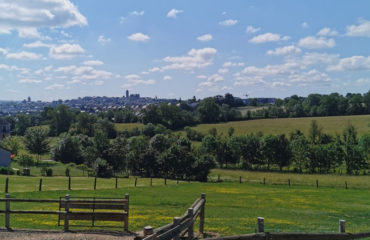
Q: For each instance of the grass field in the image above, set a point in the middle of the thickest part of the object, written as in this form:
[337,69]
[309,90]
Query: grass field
[330,125]
[128,126]
[231,208]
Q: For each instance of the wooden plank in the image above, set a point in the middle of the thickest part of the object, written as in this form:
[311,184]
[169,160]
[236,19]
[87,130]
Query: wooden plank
[98,216]
[32,212]
[94,206]
[113,201]
[30,200]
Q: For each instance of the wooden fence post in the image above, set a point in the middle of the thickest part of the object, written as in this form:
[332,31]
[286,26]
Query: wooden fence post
[151,181]
[148,230]
[135,181]
[127,197]
[345,183]
[260,224]
[40,185]
[7,211]
[342,226]
[202,214]
[240,179]
[116,182]
[6,185]
[191,227]
[66,216]
[264,181]
[69,182]
[218,179]
[289,182]
[317,183]
[176,221]
[95,183]
[165,181]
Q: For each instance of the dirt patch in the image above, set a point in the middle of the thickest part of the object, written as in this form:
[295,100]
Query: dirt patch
[57,235]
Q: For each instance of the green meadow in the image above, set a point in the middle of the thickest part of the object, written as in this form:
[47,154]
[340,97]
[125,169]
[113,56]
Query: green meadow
[231,208]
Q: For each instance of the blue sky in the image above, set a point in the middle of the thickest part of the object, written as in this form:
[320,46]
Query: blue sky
[62,49]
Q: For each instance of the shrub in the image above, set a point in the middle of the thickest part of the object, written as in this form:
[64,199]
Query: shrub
[102,168]
[6,171]
[25,160]
[49,172]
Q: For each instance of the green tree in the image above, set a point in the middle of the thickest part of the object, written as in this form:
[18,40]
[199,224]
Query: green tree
[354,156]
[300,151]
[314,132]
[36,141]
[12,144]
[25,160]
[67,149]
[209,111]
[61,119]
[22,123]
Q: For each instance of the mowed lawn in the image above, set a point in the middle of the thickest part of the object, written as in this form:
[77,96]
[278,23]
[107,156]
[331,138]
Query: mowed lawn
[330,125]
[231,208]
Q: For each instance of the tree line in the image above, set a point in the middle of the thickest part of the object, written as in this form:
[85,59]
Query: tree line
[317,153]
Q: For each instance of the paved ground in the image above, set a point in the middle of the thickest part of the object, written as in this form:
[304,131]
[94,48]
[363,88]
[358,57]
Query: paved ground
[54,235]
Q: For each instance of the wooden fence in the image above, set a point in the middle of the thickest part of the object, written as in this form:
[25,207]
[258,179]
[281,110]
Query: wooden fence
[262,235]
[67,213]
[180,226]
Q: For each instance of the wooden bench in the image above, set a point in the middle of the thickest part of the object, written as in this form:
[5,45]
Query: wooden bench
[71,210]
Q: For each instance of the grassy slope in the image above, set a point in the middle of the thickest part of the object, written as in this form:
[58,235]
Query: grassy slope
[231,208]
[331,125]
[128,126]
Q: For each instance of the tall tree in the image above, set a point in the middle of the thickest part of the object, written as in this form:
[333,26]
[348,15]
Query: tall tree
[36,141]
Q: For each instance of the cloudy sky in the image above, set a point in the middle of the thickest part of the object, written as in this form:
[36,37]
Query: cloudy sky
[61,49]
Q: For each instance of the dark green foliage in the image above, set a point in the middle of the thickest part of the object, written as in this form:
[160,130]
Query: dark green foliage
[6,171]
[22,123]
[36,141]
[102,168]
[209,111]
[61,118]
[25,160]
[67,149]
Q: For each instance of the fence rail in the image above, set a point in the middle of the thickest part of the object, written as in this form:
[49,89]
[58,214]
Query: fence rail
[181,225]
[66,213]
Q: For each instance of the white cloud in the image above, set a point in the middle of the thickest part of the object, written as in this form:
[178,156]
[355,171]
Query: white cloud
[134,79]
[65,34]
[327,32]
[37,44]
[167,78]
[202,77]
[103,40]
[136,13]
[155,69]
[93,63]
[266,37]
[28,33]
[66,51]
[251,29]
[3,51]
[354,63]
[284,50]
[23,56]
[223,70]
[228,22]
[27,16]
[305,25]
[360,30]
[173,13]
[363,81]
[314,58]
[231,64]
[28,80]
[195,59]
[55,86]
[138,37]
[205,38]
[312,42]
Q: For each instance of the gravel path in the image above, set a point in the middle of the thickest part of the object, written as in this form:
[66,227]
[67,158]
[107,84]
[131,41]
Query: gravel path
[54,235]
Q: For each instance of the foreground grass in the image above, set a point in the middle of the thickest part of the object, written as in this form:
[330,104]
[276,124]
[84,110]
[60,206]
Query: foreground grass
[330,125]
[231,208]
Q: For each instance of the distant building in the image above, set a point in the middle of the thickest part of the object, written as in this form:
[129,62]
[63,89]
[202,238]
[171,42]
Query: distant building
[29,99]
[135,95]
[4,129]
[127,94]
[4,158]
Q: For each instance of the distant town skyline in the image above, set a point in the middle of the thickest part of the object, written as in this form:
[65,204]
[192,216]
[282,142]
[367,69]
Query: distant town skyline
[65,49]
